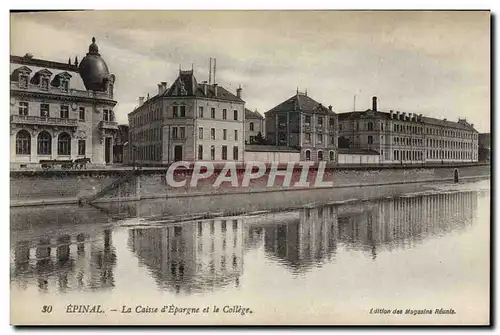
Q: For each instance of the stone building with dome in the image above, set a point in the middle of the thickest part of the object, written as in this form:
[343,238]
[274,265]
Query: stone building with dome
[61,111]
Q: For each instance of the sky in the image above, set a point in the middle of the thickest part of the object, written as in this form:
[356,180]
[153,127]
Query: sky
[431,63]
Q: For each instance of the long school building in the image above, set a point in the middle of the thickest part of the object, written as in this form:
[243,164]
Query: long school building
[403,138]
[187,122]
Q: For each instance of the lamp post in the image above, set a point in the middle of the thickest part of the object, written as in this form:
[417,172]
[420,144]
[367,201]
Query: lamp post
[134,151]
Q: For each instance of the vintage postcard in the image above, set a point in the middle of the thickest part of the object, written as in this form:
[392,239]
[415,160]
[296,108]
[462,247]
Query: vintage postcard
[250,168]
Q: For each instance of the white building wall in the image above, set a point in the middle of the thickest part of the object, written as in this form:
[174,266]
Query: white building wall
[272,156]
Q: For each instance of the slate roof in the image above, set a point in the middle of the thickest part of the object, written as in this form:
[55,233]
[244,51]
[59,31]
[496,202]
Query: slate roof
[42,63]
[357,115]
[186,81]
[357,151]
[37,66]
[300,102]
[252,114]
[269,148]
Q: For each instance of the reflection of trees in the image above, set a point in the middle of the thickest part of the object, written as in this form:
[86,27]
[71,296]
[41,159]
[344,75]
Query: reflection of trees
[66,262]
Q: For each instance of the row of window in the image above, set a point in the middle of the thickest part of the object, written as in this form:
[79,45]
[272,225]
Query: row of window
[148,135]
[201,113]
[178,111]
[223,227]
[149,152]
[44,82]
[408,155]
[319,138]
[445,154]
[320,155]
[201,134]
[448,144]
[107,114]
[44,144]
[223,153]
[405,128]
[450,133]
[408,141]
[319,120]
[146,117]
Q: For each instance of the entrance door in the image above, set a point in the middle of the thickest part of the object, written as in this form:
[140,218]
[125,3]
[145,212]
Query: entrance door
[178,153]
[107,150]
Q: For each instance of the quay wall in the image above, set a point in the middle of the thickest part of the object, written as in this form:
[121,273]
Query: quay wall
[65,187]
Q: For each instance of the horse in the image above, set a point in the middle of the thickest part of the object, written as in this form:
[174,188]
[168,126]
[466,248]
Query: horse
[81,163]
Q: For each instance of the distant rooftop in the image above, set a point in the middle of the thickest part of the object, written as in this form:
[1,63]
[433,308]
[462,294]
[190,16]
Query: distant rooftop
[300,102]
[461,124]
[252,114]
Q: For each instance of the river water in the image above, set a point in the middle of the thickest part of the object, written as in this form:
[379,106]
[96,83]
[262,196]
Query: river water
[340,264]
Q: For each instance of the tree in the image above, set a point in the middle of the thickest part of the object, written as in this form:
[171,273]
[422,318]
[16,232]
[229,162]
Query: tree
[259,139]
[344,142]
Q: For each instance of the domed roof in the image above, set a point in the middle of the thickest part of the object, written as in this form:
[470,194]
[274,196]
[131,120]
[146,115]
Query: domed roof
[93,70]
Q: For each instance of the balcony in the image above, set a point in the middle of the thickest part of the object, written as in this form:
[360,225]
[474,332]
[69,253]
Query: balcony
[179,139]
[41,120]
[111,125]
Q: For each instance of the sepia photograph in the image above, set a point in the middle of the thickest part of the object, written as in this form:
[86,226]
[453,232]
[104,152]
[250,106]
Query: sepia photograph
[250,167]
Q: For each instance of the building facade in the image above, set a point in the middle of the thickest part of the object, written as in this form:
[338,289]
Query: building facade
[61,111]
[188,121]
[304,123]
[403,138]
[121,144]
[254,124]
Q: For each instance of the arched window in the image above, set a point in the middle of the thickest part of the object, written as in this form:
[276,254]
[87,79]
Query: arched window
[23,143]
[308,155]
[64,144]
[44,143]
[320,155]
[332,155]
[251,126]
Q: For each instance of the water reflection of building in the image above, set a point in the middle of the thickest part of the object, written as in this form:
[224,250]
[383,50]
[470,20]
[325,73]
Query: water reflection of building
[313,236]
[192,257]
[304,241]
[66,262]
[404,222]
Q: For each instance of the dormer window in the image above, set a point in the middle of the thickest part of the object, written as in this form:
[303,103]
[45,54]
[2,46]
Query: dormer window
[64,85]
[23,80]
[45,84]
[61,80]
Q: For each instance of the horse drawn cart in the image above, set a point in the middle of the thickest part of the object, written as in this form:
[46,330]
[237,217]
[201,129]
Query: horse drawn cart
[78,163]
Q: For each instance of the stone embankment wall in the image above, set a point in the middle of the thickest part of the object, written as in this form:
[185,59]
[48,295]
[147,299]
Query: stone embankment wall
[64,187]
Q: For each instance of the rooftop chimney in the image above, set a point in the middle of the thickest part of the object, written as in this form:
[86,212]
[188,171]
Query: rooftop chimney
[159,89]
[410,116]
[391,112]
[205,87]
[215,90]
[404,116]
[330,108]
[141,101]
[238,92]
[374,104]
[420,117]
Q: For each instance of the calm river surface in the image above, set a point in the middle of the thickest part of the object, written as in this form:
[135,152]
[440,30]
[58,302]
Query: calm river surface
[329,264]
